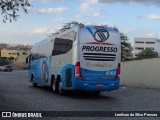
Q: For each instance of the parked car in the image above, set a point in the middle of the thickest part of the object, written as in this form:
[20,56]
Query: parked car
[6,68]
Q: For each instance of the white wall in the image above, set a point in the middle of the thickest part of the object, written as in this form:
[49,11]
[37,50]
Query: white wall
[141,73]
[157,48]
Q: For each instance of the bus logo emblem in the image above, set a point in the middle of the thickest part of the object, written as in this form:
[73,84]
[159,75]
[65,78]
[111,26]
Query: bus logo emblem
[45,73]
[101,35]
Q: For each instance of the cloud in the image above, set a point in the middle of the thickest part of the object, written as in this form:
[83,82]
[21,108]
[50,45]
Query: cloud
[96,14]
[58,20]
[150,35]
[90,1]
[48,1]
[52,10]
[93,1]
[26,36]
[45,1]
[43,30]
[19,36]
[128,30]
[39,30]
[153,35]
[79,16]
[154,17]
[89,23]
[88,4]
[143,2]
[85,6]
[151,16]
[83,15]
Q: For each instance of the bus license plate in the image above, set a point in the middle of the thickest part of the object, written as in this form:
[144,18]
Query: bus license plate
[99,85]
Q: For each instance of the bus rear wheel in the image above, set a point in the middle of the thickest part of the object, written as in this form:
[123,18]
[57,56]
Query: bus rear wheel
[33,84]
[60,89]
[54,86]
[96,92]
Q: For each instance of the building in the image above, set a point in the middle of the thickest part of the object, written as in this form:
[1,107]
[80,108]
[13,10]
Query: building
[9,53]
[146,43]
[22,54]
[18,55]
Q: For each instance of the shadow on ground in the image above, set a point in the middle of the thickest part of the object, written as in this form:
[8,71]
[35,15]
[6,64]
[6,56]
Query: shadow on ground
[77,94]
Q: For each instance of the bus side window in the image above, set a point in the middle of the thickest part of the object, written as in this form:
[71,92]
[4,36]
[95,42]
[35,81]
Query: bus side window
[61,46]
[63,43]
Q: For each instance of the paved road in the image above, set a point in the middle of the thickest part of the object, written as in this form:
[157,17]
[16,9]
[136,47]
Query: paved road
[17,94]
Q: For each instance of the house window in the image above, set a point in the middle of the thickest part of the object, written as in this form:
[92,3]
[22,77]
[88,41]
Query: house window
[150,42]
[139,42]
[139,48]
[149,48]
[13,53]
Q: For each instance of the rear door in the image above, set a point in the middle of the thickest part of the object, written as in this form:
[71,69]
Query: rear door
[99,52]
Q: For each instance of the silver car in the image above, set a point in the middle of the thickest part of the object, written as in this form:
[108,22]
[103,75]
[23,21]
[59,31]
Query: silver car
[6,68]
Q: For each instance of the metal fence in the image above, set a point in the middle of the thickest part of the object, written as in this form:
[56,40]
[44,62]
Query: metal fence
[141,73]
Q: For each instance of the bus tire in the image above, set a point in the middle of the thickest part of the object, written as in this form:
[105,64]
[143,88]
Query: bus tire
[96,92]
[54,86]
[60,90]
[33,84]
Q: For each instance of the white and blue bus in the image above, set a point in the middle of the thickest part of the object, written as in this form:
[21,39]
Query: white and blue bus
[82,58]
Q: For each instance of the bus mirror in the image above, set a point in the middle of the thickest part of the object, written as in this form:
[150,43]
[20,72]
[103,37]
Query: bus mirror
[28,59]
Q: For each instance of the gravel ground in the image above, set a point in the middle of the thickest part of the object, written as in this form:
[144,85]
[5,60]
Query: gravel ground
[17,94]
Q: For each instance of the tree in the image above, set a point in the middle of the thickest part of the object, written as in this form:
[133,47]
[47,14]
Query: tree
[65,27]
[4,61]
[124,40]
[10,8]
[69,25]
[125,46]
[11,58]
[146,54]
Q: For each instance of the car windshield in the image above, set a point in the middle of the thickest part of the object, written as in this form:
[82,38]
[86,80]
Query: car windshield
[7,66]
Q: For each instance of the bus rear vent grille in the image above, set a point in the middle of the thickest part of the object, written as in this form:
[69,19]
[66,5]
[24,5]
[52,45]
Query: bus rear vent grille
[99,56]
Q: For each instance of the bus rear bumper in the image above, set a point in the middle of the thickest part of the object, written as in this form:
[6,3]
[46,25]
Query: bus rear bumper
[99,86]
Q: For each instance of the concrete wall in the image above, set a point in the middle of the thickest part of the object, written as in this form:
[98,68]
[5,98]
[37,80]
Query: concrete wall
[141,73]
[157,48]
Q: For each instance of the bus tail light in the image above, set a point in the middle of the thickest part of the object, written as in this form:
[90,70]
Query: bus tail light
[78,71]
[81,25]
[118,72]
[116,29]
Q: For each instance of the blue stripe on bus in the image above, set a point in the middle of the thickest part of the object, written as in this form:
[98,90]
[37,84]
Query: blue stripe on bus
[90,31]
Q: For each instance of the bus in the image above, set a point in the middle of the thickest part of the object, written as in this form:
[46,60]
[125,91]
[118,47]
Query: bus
[85,57]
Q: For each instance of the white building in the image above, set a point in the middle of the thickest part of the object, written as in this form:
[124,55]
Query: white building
[146,43]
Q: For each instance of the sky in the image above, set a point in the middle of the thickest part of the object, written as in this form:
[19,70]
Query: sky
[135,18]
